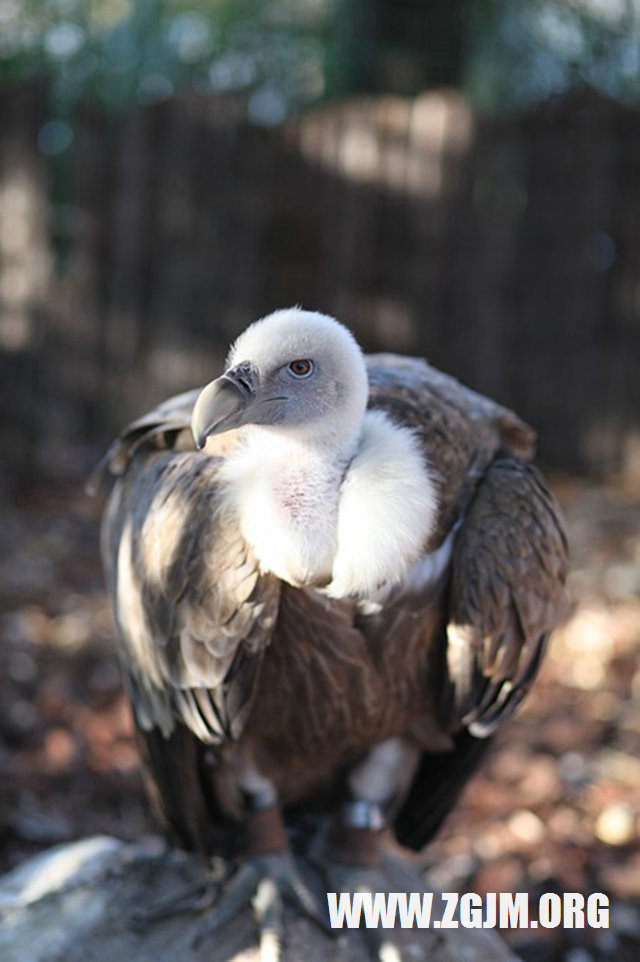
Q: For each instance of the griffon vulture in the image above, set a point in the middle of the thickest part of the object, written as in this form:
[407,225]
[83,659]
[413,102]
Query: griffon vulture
[333,577]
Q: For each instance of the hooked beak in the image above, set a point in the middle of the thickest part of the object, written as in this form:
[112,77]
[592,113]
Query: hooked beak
[220,407]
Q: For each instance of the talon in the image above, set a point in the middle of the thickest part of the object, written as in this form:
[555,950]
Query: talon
[267,906]
[366,879]
[193,898]
[265,882]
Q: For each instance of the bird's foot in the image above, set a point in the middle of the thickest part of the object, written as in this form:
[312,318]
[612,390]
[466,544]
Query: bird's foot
[382,945]
[196,897]
[266,882]
[362,864]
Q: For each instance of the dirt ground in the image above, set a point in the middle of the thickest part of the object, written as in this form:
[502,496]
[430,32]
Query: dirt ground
[556,807]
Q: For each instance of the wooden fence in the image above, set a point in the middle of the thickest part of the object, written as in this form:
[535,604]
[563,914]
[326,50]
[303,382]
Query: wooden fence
[506,252]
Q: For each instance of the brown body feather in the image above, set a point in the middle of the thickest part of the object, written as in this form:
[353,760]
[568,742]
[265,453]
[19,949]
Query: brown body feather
[223,662]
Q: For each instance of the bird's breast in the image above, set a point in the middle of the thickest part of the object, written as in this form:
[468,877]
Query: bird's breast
[329,691]
[289,518]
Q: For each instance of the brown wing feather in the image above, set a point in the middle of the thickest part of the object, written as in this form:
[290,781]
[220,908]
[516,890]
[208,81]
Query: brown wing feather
[193,613]
[461,431]
[166,427]
[507,592]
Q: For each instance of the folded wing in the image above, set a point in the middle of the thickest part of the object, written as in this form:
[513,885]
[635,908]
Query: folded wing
[194,614]
[507,592]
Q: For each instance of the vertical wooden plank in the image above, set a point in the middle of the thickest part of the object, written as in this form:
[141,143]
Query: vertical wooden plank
[24,275]
[505,251]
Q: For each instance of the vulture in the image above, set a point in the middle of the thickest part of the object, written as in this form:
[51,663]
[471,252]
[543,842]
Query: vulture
[333,577]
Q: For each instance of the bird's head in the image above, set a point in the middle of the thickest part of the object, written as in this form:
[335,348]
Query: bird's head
[297,371]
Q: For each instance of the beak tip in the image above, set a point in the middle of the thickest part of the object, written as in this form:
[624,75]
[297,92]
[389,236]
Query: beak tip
[220,407]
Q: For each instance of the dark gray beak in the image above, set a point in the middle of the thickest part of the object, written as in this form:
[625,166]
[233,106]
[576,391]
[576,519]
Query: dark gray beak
[219,408]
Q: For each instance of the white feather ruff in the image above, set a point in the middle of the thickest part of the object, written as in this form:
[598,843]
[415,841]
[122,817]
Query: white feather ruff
[345,499]
[285,496]
[358,535]
[387,510]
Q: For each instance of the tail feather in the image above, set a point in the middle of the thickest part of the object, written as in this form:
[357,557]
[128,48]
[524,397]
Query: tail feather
[436,788]
[175,783]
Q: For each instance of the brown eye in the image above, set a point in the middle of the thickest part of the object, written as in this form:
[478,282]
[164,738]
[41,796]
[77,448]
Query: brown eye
[302,368]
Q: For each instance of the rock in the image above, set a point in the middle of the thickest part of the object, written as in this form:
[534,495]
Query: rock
[578,954]
[75,903]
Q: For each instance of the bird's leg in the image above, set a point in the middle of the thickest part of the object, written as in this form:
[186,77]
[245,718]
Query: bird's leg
[266,878]
[377,787]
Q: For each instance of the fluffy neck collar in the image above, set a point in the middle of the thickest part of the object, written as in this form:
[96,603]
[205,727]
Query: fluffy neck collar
[348,517]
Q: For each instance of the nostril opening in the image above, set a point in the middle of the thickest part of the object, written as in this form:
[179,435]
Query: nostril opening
[242,376]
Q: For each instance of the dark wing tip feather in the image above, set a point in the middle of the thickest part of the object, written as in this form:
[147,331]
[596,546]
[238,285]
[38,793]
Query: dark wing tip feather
[438,783]
[509,569]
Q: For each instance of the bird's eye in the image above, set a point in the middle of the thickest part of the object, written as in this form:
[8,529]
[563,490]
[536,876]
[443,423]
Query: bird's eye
[301,368]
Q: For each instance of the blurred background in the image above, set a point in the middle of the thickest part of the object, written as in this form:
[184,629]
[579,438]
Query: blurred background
[454,179]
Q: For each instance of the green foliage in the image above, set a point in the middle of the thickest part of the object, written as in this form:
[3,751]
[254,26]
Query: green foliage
[123,52]
[281,55]
[523,51]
